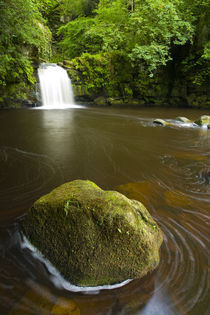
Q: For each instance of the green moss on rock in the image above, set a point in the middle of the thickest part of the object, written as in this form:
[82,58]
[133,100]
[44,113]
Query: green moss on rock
[93,237]
[203,121]
[16,95]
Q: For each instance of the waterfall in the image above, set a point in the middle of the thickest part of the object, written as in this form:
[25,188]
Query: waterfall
[55,86]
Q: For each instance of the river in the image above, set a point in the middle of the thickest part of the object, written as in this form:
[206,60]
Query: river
[167,168]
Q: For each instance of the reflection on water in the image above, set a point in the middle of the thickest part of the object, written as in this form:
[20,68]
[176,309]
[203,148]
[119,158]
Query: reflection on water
[167,168]
[24,176]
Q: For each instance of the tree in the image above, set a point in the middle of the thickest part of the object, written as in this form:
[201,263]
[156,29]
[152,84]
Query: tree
[77,8]
[144,35]
[23,34]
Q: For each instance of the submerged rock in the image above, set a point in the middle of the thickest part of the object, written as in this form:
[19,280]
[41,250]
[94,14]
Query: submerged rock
[175,198]
[203,121]
[161,122]
[93,237]
[141,191]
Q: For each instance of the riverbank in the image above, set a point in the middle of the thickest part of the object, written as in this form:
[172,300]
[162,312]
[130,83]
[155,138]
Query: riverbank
[25,96]
[95,85]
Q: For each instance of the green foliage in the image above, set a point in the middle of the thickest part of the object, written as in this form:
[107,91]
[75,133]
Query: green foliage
[51,12]
[75,8]
[23,34]
[15,94]
[145,35]
[196,65]
[140,36]
[118,46]
[196,68]
[206,51]
[75,39]
[45,6]
[104,72]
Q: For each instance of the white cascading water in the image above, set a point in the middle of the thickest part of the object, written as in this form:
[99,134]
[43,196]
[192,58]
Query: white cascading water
[55,86]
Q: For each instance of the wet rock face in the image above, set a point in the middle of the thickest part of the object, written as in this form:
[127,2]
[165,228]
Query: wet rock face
[92,236]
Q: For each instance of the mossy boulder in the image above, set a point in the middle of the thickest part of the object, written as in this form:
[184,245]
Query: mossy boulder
[101,101]
[115,101]
[203,121]
[93,237]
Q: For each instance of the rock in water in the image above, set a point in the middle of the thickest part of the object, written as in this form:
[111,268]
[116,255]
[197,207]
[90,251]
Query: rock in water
[203,121]
[161,122]
[183,120]
[93,237]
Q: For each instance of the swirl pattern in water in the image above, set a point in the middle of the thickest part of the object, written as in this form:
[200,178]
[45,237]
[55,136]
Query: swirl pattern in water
[24,177]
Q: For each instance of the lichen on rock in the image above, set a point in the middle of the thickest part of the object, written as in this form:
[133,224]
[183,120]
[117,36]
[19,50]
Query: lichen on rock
[93,237]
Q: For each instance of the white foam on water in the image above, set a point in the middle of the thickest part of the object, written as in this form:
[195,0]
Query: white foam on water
[48,107]
[59,281]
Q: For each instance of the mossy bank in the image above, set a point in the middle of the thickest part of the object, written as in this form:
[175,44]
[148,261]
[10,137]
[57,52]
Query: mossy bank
[110,79]
[93,237]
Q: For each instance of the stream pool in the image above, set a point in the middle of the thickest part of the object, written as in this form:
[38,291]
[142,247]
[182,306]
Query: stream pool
[167,168]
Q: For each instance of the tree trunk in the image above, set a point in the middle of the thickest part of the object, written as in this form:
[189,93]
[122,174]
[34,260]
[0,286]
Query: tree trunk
[132,5]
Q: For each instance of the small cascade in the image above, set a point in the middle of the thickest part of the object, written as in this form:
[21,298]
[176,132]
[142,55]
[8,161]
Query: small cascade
[55,86]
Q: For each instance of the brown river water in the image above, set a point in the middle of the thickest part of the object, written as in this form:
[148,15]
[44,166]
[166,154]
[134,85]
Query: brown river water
[167,168]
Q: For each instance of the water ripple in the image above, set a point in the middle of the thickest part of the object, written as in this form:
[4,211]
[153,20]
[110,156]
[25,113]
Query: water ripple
[180,268]
[24,177]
